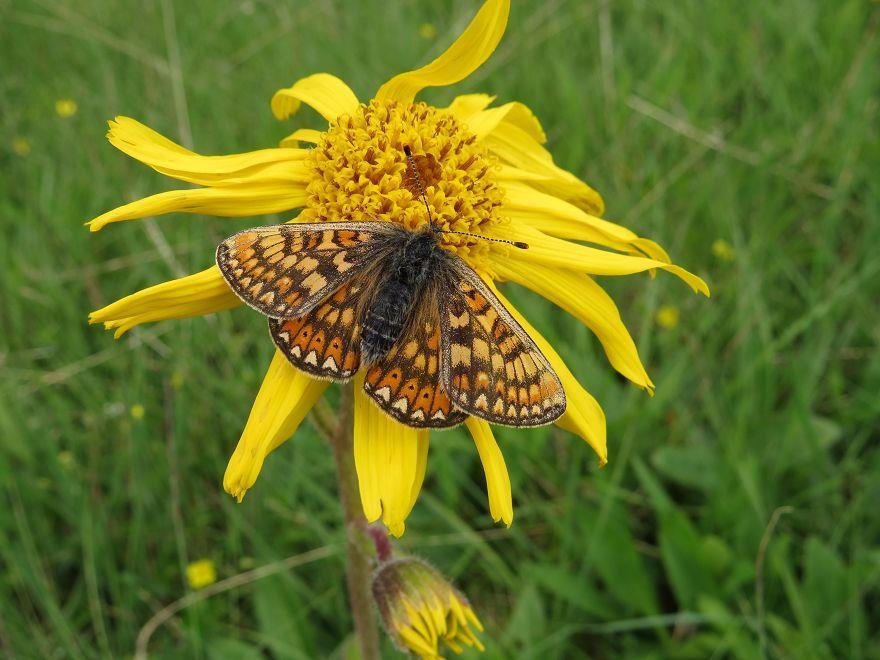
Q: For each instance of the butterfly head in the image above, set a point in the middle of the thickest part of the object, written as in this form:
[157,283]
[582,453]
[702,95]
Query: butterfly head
[432,227]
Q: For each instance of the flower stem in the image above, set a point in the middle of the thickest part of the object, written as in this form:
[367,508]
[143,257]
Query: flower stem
[357,570]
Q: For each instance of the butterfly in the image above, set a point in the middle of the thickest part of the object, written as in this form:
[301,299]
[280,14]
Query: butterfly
[435,342]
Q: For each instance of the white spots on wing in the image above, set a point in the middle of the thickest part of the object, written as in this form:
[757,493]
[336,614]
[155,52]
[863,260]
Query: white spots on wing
[384,393]
[311,358]
[401,404]
[418,415]
[482,403]
[330,364]
[438,415]
[295,351]
[284,336]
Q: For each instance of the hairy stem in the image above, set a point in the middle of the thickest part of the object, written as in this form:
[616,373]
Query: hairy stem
[358,569]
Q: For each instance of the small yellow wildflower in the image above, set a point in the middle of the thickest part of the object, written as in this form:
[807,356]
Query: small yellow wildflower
[667,316]
[138,411]
[420,609]
[21,146]
[723,250]
[201,573]
[65,108]
[177,380]
[427,31]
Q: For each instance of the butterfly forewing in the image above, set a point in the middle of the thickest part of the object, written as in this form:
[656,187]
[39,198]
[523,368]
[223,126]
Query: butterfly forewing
[492,368]
[285,271]
[406,383]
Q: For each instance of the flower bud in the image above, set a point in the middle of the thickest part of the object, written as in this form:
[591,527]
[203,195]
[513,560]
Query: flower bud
[420,609]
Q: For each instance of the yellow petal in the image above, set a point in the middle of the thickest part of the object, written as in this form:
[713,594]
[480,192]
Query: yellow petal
[548,251]
[583,415]
[562,219]
[202,293]
[284,399]
[226,201]
[516,147]
[146,145]
[309,135]
[581,297]
[465,105]
[462,58]
[514,113]
[326,93]
[497,478]
[390,462]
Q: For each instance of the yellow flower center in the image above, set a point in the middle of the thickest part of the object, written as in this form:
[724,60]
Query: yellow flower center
[360,172]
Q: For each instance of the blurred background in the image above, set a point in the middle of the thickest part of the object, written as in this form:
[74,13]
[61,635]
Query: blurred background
[737,517]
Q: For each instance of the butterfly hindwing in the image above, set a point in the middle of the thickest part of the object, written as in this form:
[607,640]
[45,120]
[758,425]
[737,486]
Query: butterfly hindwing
[326,341]
[491,367]
[406,383]
[285,271]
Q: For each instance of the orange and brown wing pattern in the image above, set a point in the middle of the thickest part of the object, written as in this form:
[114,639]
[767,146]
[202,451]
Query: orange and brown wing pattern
[491,367]
[406,383]
[325,342]
[285,271]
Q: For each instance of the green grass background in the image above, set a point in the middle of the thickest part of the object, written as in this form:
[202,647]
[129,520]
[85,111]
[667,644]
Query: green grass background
[753,122]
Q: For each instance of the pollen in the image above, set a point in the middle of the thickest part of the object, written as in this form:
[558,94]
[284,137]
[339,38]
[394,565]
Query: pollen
[359,172]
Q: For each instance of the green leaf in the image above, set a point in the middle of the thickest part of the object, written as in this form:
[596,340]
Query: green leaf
[566,585]
[695,466]
[232,649]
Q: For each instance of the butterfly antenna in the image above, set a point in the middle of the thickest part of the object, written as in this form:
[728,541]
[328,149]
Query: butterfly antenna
[415,175]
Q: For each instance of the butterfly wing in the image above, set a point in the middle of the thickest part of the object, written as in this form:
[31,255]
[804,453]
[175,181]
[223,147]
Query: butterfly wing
[285,271]
[406,383]
[491,367]
[326,341]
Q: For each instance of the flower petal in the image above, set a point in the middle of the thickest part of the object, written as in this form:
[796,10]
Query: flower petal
[465,105]
[146,145]
[390,462]
[462,58]
[562,219]
[581,297]
[326,93]
[309,135]
[516,147]
[516,114]
[225,201]
[285,397]
[497,478]
[583,415]
[202,293]
[553,252]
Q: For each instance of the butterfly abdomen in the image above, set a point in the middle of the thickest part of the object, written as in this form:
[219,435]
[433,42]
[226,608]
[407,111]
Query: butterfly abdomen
[388,314]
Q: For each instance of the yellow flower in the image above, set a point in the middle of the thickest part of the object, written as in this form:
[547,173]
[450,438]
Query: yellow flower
[667,316]
[486,171]
[427,31]
[201,573]
[137,411]
[723,250]
[65,108]
[21,146]
[420,609]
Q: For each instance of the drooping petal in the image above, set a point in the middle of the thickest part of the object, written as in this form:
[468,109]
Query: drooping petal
[497,478]
[390,461]
[146,145]
[556,253]
[202,293]
[556,217]
[285,397]
[583,414]
[462,58]
[517,147]
[324,92]
[309,135]
[229,201]
[581,297]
